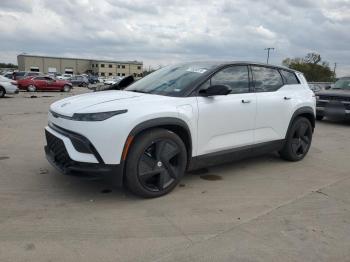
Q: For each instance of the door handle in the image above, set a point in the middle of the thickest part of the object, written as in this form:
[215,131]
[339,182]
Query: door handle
[245,101]
[287,98]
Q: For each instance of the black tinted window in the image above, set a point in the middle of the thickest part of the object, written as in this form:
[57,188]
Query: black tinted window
[266,79]
[20,73]
[40,78]
[289,77]
[235,77]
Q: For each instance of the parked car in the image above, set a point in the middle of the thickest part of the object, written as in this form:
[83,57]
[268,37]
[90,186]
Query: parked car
[43,83]
[24,74]
[112,80]
[64,76]
[8,75]
[93,79]
[179,118]
[334,102]
[79,81]
[7,86]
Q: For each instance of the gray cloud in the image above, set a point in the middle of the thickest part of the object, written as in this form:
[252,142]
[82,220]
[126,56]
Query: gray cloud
[163,32]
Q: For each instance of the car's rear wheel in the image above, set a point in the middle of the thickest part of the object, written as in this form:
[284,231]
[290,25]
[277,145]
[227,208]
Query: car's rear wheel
[66,88]
[31,88]
[156,163]
[2,91]
[298,141]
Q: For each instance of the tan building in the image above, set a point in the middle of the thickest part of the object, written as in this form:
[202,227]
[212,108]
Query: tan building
[76,66]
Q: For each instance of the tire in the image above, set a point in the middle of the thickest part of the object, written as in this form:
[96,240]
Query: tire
[298,142]
[319,118]
[2,92]
[66,88]
[31,88]
[156,163]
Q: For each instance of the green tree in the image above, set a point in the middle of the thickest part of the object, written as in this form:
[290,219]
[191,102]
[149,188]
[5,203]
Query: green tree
[312,66]
[9,65]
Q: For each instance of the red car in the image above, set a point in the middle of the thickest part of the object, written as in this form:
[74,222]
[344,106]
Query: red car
[44,83]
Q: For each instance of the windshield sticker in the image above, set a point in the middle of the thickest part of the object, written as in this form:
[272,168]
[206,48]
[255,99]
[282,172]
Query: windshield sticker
[196,70]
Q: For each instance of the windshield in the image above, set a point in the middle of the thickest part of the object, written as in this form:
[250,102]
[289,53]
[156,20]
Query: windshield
[342,84]
[170,80]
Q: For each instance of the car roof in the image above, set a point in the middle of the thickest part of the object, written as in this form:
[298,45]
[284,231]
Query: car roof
[216,64]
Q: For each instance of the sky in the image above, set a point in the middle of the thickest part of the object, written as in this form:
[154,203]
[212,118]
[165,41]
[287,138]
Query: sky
[169,31]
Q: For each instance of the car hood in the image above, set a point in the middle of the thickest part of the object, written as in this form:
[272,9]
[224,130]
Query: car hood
[101,102]
[334,92]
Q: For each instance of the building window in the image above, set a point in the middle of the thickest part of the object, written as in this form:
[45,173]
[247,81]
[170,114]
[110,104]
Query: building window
[92,65]
[102,74]
[110,66]
[102,65]
[118,74]
[110,74]
[123,66]
[139,67]
[123,74]
[118,66]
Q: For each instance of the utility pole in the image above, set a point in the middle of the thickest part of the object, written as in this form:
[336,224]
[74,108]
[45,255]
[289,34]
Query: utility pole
[335,67]
[268,53]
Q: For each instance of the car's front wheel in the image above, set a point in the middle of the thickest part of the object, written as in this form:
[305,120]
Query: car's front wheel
[31,88]
[298,140]
[66,88]
[156,163]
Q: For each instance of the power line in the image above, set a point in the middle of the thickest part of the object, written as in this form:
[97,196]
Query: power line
[268,53]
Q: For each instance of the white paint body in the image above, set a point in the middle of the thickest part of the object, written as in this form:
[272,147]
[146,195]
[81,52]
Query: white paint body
[7,85]
[215,123]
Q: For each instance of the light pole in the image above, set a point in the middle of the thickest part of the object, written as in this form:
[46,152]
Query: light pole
[268,53]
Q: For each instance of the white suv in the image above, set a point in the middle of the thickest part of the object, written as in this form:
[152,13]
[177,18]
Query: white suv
[182,117]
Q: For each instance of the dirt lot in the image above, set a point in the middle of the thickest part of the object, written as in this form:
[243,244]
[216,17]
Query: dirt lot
[261,209]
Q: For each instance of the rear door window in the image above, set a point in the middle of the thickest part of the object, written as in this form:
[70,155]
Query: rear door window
[266,79]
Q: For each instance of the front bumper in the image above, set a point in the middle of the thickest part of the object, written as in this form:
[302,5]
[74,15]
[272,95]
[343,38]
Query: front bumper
[335,113]
[59,157]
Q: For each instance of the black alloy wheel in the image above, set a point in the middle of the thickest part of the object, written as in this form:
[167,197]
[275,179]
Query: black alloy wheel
[299,139]
[156,163]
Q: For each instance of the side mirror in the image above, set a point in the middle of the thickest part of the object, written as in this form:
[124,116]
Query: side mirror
[216,90]
[328,87]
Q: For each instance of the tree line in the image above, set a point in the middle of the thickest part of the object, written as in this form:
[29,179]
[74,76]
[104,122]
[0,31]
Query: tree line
[312,66]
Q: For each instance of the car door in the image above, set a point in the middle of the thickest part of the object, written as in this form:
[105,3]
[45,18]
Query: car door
[226,121]
[274,103]
[50,83]
[40,83]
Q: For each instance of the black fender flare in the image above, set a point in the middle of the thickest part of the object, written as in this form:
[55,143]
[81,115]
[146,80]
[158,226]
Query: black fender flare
[305,110]
[162,122]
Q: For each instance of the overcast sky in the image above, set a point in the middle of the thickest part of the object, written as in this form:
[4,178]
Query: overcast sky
[164,32]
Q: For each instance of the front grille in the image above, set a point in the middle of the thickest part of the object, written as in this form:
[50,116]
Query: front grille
[335,98]
[57,150]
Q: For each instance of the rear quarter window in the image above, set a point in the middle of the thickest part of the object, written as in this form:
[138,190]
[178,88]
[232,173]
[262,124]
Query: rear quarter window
[289,77]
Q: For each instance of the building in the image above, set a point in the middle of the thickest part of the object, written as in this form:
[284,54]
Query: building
[76,66]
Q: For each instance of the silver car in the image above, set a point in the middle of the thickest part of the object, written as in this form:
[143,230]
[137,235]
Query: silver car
[7,86]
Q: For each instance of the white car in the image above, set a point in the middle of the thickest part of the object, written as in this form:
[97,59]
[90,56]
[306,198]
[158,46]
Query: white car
[182,117]
[7,86]
[64,76]
[113,80]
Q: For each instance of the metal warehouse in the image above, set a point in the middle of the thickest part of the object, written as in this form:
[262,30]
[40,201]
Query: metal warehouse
[76,66]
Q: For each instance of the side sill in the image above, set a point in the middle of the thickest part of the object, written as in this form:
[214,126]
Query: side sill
[234,155]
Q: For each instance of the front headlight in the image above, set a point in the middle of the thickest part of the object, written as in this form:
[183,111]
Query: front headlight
[97,116]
